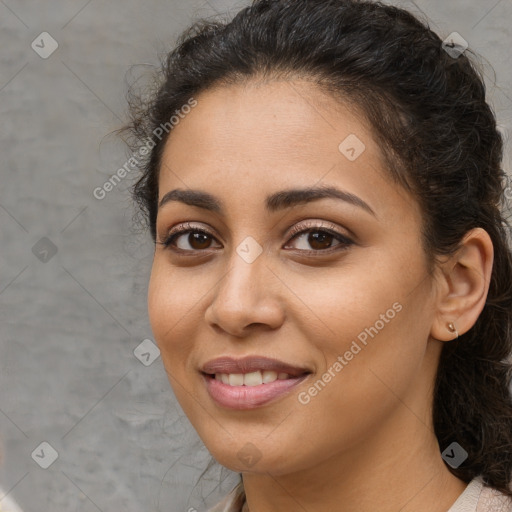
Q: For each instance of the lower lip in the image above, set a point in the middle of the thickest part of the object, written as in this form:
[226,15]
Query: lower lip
[248,397]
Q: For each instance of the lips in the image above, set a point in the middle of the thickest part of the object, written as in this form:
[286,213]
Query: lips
[238,383]
[249,364]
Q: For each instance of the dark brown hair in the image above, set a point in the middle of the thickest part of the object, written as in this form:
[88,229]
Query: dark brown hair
[428,111]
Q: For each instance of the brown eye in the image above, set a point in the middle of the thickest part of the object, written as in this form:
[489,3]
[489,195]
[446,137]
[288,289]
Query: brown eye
[318,240]
[189,239]
[198,240]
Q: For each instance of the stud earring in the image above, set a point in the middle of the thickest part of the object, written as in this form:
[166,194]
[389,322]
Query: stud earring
[453,329]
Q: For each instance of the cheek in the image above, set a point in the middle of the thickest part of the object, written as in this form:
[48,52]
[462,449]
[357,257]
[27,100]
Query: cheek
[171,304]
[341,304]
[378,324]
[170,307]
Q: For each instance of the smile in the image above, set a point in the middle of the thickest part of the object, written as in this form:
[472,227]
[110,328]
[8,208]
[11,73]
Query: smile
[249,382]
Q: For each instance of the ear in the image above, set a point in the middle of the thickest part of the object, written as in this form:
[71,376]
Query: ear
[462,286]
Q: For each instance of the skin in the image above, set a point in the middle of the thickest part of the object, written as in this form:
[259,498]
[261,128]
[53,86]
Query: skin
[366,438]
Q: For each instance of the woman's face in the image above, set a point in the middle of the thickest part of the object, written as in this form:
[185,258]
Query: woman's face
[332,291]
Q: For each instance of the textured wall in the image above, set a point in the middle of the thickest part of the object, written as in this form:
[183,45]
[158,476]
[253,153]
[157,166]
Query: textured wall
[73,276]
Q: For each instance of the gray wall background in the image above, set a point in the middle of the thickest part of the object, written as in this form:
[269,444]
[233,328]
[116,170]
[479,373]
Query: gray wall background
[70,321]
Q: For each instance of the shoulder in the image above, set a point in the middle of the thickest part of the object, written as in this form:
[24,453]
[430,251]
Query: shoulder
[7,504]
[492,500]
[478,497]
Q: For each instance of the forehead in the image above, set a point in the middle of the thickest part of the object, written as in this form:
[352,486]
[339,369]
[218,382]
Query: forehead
[275,117]
[259,137]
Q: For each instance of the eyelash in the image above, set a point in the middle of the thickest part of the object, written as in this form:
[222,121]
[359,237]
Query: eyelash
[300,229]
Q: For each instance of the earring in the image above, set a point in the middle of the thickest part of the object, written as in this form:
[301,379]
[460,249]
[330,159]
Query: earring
[453,329]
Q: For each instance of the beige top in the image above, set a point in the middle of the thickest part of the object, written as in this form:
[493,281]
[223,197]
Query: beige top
[7,504]
[477,497]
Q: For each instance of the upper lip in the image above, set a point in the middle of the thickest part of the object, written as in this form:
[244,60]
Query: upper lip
[250,364]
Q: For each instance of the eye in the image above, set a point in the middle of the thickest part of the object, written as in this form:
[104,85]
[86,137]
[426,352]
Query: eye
[319,238]
[198,239]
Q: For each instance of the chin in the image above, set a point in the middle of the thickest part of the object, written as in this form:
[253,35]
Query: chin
[250,455]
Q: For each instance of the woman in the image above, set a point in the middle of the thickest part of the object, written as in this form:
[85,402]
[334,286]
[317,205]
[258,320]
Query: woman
[331,289]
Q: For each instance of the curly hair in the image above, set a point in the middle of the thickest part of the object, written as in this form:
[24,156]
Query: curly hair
[427,109]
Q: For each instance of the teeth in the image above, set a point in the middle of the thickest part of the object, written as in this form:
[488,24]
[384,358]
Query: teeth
[236,379]
[269,376]
[251,379]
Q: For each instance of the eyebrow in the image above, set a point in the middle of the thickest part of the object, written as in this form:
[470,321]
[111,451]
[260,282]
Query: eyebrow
[275,202]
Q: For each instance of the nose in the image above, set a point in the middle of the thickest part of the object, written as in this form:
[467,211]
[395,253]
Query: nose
[247,297]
